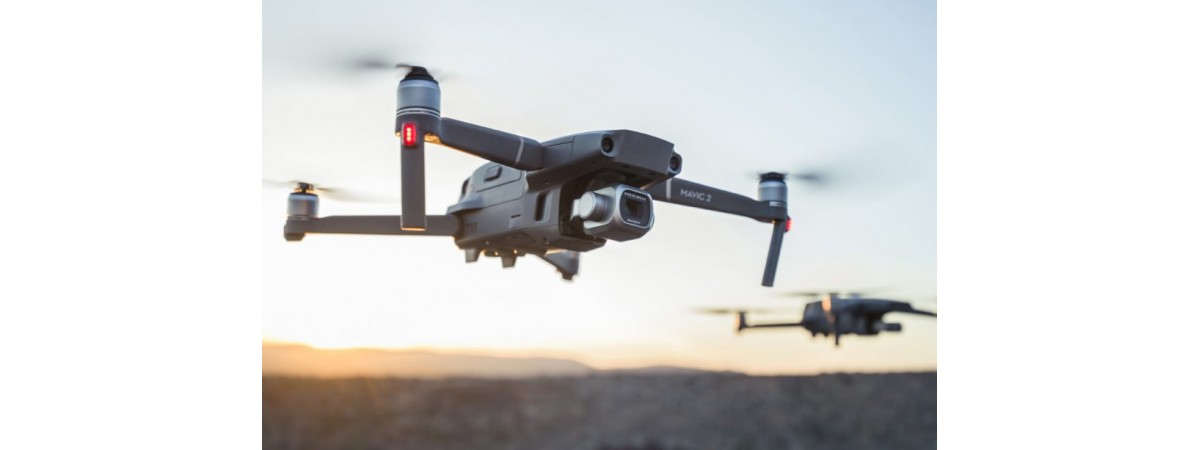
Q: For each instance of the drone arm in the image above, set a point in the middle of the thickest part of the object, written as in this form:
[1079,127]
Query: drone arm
[778,228]
[774,325]
[493,145]
[772,209]
[889,306]
[295,229]
[919,312]
[688,193]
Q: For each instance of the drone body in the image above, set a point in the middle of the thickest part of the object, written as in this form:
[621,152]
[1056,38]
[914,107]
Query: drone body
[838,316]
[552,199]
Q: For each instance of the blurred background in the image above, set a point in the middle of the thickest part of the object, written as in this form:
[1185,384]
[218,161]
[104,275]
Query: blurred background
[845,89]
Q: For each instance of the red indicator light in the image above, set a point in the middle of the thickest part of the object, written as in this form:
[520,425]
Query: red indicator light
[789,225]
[409,134]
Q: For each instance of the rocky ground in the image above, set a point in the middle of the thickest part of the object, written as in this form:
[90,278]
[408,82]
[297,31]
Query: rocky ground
[604,411]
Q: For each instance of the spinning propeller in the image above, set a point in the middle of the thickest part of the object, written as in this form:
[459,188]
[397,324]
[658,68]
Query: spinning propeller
[399,69]
[336,193]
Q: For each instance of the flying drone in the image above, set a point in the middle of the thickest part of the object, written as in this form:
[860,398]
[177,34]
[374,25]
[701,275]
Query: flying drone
[836,315]
[553,199]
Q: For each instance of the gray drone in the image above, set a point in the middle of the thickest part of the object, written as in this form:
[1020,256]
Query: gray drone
[837,316]
[552,199]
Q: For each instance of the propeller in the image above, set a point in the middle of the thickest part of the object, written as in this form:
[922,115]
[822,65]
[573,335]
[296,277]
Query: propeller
[332,193]
[864,170]
[809,176]
[858,293]
[399,69]
[811,294]
[815,178]
[727,311]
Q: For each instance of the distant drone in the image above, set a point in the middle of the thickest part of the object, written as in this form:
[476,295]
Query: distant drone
[552,199]
[837,316]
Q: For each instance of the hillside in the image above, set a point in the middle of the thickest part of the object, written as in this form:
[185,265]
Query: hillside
[303,361]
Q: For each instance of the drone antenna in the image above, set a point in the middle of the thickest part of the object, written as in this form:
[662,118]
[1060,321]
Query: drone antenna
[772,188]
[418,112]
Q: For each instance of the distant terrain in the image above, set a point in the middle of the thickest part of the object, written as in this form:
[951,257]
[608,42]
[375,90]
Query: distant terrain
[603,410]
[296,360]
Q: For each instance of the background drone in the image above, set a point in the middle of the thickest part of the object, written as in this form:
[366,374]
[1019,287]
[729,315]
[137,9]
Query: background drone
[835,315]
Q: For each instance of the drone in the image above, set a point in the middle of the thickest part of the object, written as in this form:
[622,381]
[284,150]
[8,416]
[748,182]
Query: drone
[835,315]
[553,199]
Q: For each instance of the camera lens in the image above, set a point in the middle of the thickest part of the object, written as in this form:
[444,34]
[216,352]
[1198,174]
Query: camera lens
[634,207]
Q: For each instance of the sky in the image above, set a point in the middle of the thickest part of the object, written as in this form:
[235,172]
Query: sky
[846,88]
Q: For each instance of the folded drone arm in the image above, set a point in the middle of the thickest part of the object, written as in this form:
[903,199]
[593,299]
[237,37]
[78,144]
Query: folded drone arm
[493,145]
[690,193]
[911,310]
[774,325]
[879,307]
[295,229]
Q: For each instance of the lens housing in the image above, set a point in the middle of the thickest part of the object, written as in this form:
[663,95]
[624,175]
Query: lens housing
[619,212]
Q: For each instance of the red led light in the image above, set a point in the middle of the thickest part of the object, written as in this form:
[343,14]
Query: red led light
[789,225]
[409,134]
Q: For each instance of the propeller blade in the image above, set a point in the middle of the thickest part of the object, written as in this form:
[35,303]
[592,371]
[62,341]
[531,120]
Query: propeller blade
[279,184]
[812,177]
[373,64]
[354,195]
[727,311]
[803,294]
[333,193]
[398,69]
[857,293]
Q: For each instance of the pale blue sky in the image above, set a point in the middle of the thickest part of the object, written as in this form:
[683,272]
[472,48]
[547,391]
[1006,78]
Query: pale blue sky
[738,88]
